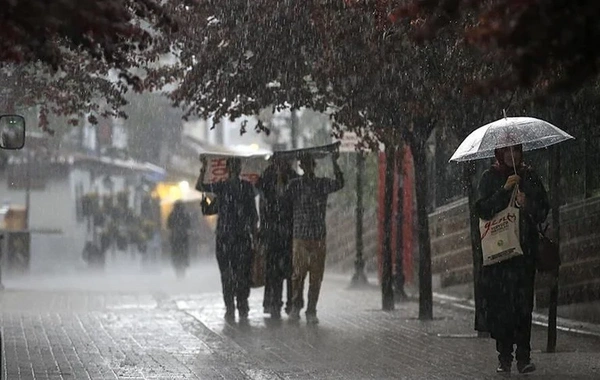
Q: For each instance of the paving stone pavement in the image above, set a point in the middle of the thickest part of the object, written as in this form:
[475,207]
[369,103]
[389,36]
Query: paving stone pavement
[150,326]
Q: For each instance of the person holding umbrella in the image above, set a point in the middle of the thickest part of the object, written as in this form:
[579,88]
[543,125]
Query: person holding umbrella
[508,286]
[512,202]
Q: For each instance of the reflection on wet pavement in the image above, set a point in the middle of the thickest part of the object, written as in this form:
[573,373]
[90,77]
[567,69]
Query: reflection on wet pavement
[131,324]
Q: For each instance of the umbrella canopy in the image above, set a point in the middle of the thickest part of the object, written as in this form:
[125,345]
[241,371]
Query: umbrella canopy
[532,133]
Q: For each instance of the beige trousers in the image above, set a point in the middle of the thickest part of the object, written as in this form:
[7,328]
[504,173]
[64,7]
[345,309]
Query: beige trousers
[308,257]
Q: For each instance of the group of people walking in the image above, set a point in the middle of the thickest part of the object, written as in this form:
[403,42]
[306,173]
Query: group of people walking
[291,229]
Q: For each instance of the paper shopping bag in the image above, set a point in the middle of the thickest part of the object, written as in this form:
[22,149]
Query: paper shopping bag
[500,236]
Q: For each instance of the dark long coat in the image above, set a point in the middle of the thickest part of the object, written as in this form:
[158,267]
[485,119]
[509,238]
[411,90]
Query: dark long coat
[179,223]
[277,221]
[508,287]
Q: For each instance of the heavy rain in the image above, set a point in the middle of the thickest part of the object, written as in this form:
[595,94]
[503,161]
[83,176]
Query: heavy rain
[299,189]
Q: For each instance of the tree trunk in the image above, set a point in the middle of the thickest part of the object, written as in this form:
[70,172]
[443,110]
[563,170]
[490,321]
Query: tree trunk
[400,294]
[556,201]
[387,290]
[425,286]
[468,173]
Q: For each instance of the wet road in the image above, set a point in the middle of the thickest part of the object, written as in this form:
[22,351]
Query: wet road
[134,324]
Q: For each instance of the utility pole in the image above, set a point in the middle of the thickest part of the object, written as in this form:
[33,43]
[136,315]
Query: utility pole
[294,129]
[28,158]
[220,132]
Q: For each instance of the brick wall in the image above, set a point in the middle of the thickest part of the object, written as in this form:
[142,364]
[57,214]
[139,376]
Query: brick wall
[580,250]
[579,279]
[450,244]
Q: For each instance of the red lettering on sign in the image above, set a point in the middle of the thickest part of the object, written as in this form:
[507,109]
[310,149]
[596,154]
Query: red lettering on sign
[218,169]
[508,218]
[250,177]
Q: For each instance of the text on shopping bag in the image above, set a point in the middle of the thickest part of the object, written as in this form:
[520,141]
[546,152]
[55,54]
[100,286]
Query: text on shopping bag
[500,236]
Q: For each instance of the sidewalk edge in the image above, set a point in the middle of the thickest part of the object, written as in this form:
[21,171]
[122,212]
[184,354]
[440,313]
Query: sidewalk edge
[563,324]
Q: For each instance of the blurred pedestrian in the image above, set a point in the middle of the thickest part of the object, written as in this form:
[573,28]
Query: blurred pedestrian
[276,234]
[179,224]
[309,195]
[508,286]
[236,232]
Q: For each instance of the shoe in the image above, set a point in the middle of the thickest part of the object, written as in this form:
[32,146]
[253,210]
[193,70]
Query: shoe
[312,319]
[294,315]
[243,314]
[275,314]
[504,367]
[526,367]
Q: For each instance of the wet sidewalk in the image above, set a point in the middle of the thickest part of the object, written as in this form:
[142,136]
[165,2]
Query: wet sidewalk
[153,327]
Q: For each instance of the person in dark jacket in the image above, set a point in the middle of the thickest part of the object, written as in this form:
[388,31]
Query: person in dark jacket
[179,223]
[236,230]
[508,286]
[276,233]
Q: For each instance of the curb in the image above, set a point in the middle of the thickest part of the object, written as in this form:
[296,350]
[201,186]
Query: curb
[563,324]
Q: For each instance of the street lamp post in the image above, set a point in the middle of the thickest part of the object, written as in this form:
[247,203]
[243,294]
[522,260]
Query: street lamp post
[294,128]
[359,277]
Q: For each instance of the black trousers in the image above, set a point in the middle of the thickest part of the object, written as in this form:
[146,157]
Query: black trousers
[509,305]
[234,255]
[273,298]
[522,339]
[278,270]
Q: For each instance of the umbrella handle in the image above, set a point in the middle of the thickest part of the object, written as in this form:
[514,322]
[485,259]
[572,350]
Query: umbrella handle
[512,156]
[513,197]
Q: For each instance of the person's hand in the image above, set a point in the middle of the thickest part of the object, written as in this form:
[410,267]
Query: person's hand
[512,181]
[521,199]
[254,237]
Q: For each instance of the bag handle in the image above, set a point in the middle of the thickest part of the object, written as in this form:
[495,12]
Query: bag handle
[543,230]
[513,197]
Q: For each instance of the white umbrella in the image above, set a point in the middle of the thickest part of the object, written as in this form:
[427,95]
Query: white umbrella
[532,133]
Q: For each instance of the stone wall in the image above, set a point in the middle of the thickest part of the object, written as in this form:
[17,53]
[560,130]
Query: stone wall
[579,279]
[450,244]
